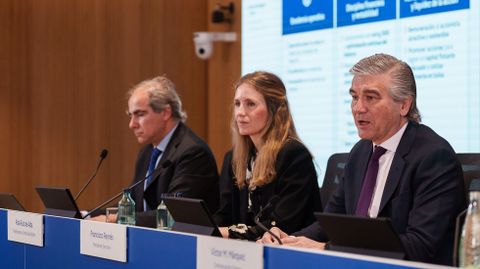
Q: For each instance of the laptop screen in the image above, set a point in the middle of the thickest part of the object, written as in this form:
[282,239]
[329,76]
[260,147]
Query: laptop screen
[359,234]
[58,202]
[8,201]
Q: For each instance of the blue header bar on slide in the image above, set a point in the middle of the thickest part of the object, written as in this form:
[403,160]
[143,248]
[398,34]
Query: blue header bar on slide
[351,12]
[306,15]
[309,15]
[410,8]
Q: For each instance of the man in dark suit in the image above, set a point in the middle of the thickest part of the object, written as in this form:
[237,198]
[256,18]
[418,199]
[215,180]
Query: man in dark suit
[400,169]
[175,160]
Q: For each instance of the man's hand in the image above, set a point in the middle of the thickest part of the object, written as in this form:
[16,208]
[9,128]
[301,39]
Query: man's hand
[302,242]
[101,218]
[292,241]
[111,218]
[268,238]
[224,231]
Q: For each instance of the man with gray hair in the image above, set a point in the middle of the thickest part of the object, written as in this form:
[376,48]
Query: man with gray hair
[400,169]
[175,160]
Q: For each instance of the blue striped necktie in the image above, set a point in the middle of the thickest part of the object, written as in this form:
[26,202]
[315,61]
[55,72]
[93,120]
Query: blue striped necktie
[151,167]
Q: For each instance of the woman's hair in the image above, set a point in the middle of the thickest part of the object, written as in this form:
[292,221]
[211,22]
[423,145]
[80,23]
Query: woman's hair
[278,129]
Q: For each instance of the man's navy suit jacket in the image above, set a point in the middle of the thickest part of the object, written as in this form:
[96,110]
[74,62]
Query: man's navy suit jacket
[423,194]
[187,168]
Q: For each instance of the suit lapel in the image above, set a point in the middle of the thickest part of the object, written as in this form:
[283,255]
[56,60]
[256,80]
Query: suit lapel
[169,152]
[398,164]
[359,175]
[393,179]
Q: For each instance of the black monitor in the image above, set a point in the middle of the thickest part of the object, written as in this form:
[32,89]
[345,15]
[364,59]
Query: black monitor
[8,201]
[368,236]
[58,202]
[191,216]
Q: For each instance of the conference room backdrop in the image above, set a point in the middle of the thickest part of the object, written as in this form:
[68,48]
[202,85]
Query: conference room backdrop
[65,66]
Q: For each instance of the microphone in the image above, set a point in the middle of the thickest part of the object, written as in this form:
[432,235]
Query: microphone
[270,203]
[103,155]
[165,164]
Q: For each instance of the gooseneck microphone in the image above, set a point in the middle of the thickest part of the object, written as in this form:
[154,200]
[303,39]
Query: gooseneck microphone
[165,164]
[102,157]
[270,203]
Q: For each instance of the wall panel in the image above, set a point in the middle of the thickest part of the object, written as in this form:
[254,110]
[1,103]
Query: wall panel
[65,67]
[224,69]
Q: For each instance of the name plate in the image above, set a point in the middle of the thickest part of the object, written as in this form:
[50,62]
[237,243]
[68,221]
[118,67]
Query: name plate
[103,240]
[25,227]
[222,253]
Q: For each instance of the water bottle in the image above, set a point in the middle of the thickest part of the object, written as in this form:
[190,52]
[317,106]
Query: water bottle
[470,241]
[126,209]
[164,218]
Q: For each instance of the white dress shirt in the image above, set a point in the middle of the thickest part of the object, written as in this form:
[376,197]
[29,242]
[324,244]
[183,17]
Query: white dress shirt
[162,146]
[384,164]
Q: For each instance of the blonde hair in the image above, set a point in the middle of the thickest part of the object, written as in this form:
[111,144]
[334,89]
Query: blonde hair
[278,130]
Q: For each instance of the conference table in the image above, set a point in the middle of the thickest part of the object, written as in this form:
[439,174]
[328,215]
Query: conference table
[151,248]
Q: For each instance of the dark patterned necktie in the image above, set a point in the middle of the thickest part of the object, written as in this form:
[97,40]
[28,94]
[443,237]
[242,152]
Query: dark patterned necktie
[369,183]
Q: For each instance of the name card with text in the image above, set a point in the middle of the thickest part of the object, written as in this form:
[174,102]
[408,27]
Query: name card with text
[222,253]
[103,240]
[25,227]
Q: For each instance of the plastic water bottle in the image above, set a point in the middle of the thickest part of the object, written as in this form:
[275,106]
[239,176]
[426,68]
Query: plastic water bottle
[470,242]
[126,209]
[164,218]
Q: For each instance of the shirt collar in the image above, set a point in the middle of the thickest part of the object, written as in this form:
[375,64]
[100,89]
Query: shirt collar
[392,143]
[164,143]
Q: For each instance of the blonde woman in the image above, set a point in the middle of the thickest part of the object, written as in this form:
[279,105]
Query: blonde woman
[268,164]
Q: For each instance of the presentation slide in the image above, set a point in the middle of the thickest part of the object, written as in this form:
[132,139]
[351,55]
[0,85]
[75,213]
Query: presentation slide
[311,45]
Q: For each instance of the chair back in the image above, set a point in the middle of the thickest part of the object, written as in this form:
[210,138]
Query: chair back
[471,170]
[470,166]
[333,174]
